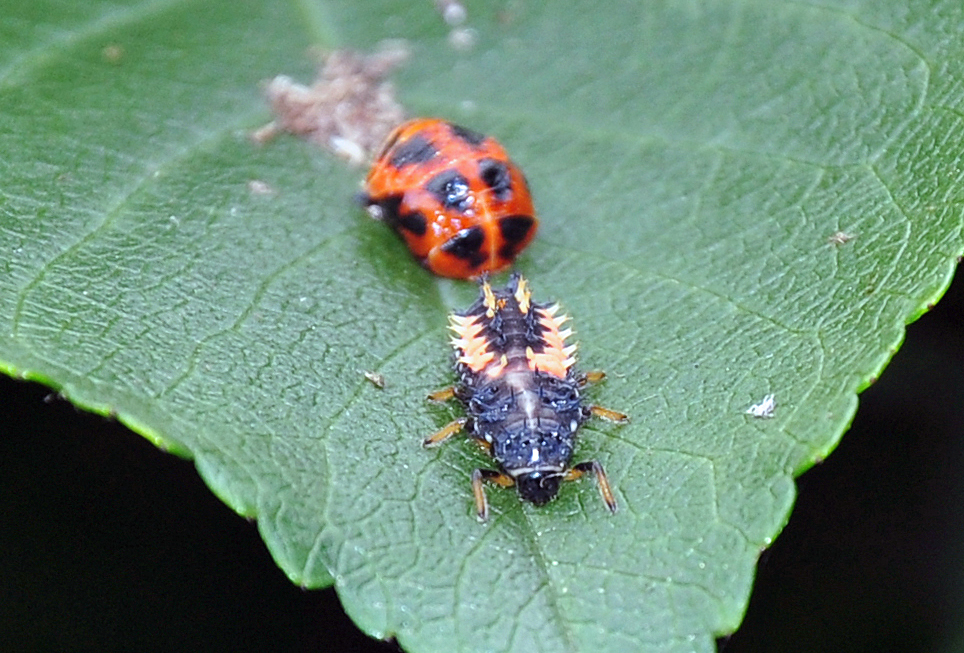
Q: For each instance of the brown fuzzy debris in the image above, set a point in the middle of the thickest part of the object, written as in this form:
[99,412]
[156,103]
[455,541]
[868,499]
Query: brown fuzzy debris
[349,109]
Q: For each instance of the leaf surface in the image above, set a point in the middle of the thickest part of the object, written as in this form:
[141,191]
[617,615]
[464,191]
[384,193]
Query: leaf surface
[738,200]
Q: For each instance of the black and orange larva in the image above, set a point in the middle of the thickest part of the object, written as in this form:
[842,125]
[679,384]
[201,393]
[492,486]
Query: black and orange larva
[522,395]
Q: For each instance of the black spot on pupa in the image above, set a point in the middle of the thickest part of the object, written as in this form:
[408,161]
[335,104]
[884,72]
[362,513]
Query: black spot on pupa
[469,136]
[508,251]
[496,176]
[514,229]
[417,149]
[467,245]
[413,222]
[451,189]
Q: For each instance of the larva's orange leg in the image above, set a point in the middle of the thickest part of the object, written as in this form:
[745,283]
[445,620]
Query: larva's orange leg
[443,434]
[602,480]
[608,415]
[590,377]
[443,395]
[480,475]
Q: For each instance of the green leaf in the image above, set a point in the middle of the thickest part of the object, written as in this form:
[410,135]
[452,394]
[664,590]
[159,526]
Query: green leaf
[691,163]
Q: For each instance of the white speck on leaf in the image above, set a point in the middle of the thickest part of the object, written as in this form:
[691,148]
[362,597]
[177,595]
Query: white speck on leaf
[463,39]
[453,12]
[840,238]
[764,408]
[259,187]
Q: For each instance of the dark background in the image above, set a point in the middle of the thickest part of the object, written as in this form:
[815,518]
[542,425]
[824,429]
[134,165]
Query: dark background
[108,544]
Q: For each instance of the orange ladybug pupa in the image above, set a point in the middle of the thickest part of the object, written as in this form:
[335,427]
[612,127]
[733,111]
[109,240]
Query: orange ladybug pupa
[461,205]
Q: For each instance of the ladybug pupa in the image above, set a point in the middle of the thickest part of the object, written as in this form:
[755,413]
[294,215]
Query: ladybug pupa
[460,204]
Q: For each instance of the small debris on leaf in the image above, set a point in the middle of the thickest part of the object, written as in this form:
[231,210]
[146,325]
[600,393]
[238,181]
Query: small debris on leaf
[112,53]
[840,238]
[258,187]
[377,379]
[462,38]
[453,12]
[763,409]
[349,109]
